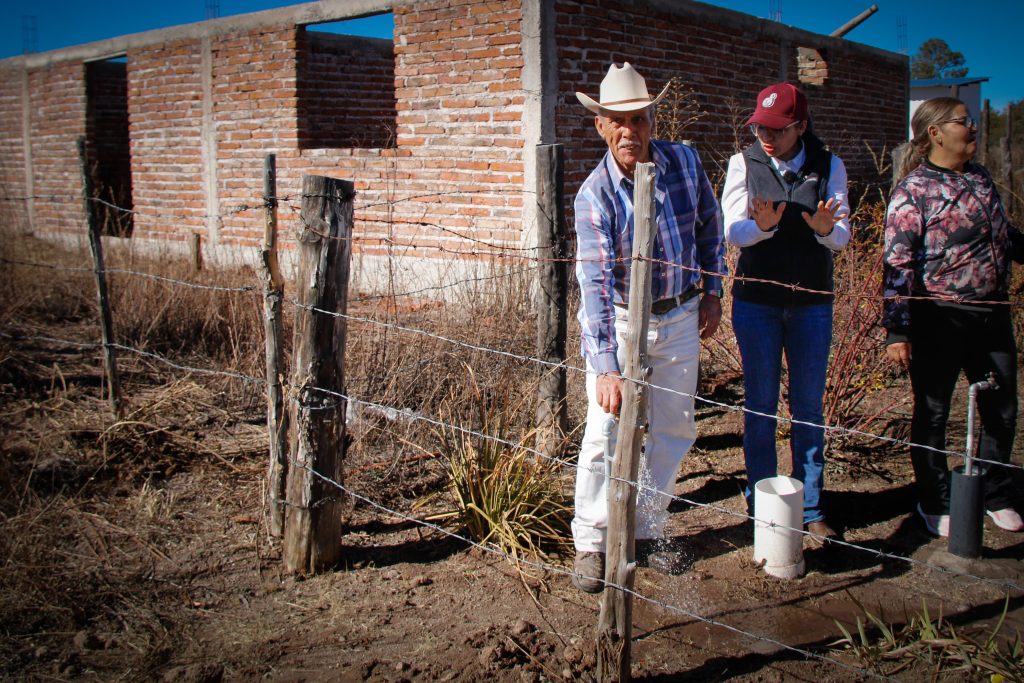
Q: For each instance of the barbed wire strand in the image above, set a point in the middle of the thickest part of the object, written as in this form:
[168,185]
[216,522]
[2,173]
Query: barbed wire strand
[531,359]
[503,250]
[123,271]
[711,621]
[638,485]
[695,397]
[1003,584]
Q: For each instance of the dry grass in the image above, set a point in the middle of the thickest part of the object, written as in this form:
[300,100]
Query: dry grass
[95,508]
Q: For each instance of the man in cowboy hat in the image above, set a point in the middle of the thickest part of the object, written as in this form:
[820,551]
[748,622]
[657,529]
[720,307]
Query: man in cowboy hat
[686,287]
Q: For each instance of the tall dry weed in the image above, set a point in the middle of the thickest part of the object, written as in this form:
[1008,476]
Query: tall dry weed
[858,372]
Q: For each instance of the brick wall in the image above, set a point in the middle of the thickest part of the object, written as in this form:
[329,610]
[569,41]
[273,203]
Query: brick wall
[254,109]
[13,213]
[454,176]
[454,167]
[165,114]
[726,58]
[57,101]
[205,107]
[346,90]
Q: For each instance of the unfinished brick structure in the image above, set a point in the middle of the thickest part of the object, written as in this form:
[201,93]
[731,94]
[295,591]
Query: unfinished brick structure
[437,129]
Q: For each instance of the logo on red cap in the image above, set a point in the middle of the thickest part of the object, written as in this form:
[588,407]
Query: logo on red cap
[779,105]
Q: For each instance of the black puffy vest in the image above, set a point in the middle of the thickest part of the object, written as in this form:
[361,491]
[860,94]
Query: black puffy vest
[792,256]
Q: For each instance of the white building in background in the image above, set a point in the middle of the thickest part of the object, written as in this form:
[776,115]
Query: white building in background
[967,89]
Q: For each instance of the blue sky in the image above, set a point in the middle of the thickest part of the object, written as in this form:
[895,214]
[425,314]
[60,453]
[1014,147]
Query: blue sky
[986,32]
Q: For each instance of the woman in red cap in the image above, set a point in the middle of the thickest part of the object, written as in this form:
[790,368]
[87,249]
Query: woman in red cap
[786,207]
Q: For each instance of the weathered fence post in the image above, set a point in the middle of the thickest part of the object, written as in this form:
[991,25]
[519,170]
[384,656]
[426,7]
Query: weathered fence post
[196,251]
[1006,149]
[552,296]
[614,631]
[315,505]
[99,269]
[273,296]
[986,120]
[899,153]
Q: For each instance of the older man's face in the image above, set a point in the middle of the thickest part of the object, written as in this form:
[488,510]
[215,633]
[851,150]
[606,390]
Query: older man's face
[628,135]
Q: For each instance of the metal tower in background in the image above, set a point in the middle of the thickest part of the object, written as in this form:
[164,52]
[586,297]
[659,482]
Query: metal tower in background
[29,34]
[775,10]
[901,34]
[212,9]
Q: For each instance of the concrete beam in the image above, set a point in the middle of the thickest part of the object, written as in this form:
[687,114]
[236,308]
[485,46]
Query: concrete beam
[307,13]
[540,89]
[750,27]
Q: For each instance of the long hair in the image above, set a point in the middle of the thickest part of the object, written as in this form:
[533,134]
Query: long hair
[931,112]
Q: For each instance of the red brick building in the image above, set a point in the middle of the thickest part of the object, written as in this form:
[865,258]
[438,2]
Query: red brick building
[437,128]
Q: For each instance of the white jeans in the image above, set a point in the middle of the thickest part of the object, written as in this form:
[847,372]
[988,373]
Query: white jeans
[673,349]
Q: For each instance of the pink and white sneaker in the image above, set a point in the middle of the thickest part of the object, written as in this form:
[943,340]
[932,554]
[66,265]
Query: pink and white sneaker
[937,525]
[1007,519]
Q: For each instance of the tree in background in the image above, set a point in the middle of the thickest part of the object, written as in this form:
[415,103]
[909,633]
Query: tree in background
[934,59]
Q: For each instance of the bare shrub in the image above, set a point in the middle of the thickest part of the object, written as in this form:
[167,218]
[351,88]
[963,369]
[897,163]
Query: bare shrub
[858,370]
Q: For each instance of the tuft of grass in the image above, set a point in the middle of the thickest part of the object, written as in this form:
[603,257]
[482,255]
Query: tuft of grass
[971,653]
[498,491]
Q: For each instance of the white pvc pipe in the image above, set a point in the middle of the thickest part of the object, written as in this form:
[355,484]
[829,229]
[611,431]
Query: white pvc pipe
[779,513]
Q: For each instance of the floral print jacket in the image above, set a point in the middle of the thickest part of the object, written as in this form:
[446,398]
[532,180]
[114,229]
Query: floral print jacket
[946,236]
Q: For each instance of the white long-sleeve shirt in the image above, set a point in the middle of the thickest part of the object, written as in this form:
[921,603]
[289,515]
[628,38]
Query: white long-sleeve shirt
[742,230]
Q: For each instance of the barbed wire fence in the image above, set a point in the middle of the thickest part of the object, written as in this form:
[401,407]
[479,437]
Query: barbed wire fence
[341,398]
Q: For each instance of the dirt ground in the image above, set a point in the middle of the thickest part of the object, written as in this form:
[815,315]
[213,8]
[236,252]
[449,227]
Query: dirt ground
[154,563]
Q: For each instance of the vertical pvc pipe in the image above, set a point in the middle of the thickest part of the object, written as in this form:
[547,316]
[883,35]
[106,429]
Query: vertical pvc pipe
[779,515]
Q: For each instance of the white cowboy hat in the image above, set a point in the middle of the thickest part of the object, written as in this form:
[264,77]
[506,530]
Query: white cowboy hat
[622,89]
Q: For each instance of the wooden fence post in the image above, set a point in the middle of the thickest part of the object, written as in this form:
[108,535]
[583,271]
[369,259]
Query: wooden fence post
[552,300]
[1006,149]
[99,269]
[899,153]
[986,121]
[615,628]
[273,296]
[313,518]
[196,251]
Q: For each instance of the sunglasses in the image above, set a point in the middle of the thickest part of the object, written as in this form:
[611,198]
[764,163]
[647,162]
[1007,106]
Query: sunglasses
[965,121]
[764,131]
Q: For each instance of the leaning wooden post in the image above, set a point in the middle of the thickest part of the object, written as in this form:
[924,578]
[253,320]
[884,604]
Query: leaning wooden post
[273,297]
[552,298]
[315,504]
[96,246]
[615,629]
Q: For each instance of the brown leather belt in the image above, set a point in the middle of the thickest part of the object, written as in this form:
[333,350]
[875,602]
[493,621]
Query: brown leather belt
[663,306]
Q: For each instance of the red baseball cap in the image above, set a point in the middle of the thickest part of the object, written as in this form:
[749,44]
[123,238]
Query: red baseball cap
[779,105]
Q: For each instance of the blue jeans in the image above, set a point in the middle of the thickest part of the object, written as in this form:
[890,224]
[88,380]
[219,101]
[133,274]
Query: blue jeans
[804,333]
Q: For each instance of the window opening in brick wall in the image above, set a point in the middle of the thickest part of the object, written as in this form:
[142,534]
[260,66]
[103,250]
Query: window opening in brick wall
[106,143]
[811,67]
[346,84]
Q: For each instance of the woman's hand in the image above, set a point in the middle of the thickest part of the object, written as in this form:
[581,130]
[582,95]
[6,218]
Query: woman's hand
[764,215]
[899,353]
[825,217]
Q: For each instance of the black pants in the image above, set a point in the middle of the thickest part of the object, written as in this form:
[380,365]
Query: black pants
[943,341]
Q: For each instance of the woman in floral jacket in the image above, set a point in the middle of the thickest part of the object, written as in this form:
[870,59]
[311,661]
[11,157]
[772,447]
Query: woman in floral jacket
[949,247]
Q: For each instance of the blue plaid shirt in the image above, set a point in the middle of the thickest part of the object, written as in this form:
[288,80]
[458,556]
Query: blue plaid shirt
[689,237]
